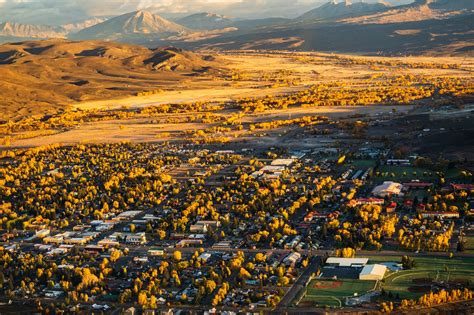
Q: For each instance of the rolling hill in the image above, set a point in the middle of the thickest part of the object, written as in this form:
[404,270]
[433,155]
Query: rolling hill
[40,77]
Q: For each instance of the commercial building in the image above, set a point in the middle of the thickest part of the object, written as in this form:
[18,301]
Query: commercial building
[373,272]
[156,251]
[442,215]
[388,189]
[365,201]
[283,162]
[347,262]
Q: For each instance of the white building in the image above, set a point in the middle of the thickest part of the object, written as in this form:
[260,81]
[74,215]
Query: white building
[42,233]
[373,272]
[137,238]
[205,256]
[198,228]
[388,189]
[347,262]
[283,162]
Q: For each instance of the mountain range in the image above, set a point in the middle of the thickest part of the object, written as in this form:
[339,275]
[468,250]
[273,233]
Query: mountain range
[334,9]
[204,30]
[206,21]
[130,25]
[18,30]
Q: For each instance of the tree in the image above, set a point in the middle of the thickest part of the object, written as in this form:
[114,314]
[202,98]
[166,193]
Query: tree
[177,255]
[115,255]
[142,298]
[408,262]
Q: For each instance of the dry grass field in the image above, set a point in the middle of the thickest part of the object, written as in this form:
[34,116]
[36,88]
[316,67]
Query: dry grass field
[118,84]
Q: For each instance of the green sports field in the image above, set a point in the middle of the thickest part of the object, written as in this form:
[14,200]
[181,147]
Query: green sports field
[469,247]
[407,173]
[333,292]
[416,282]
[363,164]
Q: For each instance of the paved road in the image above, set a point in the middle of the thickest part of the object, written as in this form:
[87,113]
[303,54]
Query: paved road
[300,284]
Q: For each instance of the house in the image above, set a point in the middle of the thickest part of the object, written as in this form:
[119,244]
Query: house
[209,223]
[421,207]
[131,311]
[398,162]
[198,228]
[292,258]
[392,207]
[108,242]
[373,272]
[347,262]
[388,189]
[459,187]
[225,152]
[135,238]
[314,215]
[93,249]
[42,233]
[223,245]
[53,293]
[205,257]
[127,215]
[365,201]
[442,215]
[188,242]
[154,251]
[416,185]
[273,169]
[142,260]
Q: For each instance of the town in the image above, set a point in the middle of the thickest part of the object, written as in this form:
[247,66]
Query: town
[317,213]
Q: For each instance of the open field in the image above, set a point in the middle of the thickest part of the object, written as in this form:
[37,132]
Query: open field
[302,69]
[121,102]
[333,292]
[427,274]
[469,246]
[60,75]
[152,130]
[408,173]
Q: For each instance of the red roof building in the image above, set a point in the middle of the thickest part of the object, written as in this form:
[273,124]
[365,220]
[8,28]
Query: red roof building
[466,187]
[417,185]
[391,207]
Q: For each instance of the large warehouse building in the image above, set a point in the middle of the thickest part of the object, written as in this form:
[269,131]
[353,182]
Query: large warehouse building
[388,189]
[346,262]
[373,272]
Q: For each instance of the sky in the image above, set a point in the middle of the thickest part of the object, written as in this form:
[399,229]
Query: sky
[57,12]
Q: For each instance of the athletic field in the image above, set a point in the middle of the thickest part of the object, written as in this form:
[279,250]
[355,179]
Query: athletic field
[333,292]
